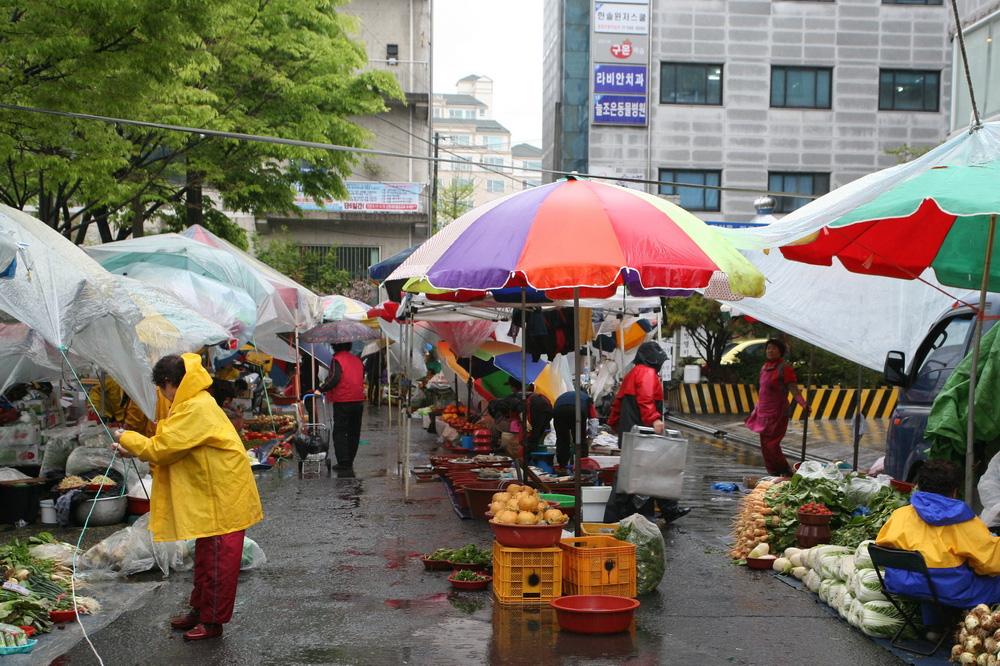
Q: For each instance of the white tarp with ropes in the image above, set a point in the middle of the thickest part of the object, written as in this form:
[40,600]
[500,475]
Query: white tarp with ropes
[859,317]
[119,325]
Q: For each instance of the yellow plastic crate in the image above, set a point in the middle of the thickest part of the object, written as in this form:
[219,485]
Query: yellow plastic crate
[526,575]
[598,529]
[598,565]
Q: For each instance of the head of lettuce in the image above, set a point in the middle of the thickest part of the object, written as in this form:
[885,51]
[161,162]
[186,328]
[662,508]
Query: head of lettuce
[203,488]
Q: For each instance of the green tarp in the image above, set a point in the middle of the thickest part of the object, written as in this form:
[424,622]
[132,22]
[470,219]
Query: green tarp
[947,423]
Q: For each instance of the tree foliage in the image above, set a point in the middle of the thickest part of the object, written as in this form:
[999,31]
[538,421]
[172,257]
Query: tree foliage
[287,68]
[710,328]
[312,270]
[453,201]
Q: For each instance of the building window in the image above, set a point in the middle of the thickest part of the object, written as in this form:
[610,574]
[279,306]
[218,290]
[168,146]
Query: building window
[355,259]
[532,164]
[911,2]
[461,182]
[692,198]
[690,83]
[459,140]
[493,142]
[908,90]
[526,184]
[495,186]
[801,87]
[495,162]
[800,183]
[982,43]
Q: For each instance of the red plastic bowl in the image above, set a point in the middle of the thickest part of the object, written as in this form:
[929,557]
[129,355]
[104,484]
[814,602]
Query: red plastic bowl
[901,486]
[29,631]
[761,562]
[467,566]
[527,536]
[138,506]
[435,565]
[62,615]
[469,584]
[594,613]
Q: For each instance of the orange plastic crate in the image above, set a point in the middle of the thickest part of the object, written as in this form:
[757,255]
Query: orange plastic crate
[598,565]
[526,575]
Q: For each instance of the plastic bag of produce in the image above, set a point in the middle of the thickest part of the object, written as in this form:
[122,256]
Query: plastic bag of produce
[253,555]
[813,469]
[862,558]
[60,553]
[824,588]
[846,602]
[132,550]
[856,612]
[860,489]
[829,565]
[649,549]
[835,595]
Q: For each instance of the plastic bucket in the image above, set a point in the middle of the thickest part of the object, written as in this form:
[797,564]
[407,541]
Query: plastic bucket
[48,511]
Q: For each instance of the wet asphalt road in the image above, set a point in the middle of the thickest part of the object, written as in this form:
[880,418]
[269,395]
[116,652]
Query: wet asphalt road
[343,585]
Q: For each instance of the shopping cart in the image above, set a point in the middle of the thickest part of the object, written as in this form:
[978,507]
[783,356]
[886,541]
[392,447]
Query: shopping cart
[312,442]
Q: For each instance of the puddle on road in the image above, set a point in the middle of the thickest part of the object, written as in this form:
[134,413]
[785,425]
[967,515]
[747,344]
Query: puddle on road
[430,600]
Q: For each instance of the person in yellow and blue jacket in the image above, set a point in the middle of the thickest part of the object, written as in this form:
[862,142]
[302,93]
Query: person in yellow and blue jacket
[963,557]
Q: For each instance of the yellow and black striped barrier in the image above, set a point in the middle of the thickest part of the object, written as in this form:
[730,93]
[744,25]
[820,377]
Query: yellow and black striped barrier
[827,402]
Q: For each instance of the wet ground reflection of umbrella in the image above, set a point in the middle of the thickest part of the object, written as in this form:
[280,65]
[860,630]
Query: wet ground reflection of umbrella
[334,332]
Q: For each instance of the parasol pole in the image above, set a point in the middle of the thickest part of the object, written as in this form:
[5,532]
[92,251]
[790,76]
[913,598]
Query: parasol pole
[524,376]
[805,414]
[857,421]
[978,337]
[409,424]
[577,435]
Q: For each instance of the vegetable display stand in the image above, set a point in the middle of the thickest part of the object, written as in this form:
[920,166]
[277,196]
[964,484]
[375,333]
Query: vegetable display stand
[813,530]
[459,502]
[526,575]
[479,494]
[599,565]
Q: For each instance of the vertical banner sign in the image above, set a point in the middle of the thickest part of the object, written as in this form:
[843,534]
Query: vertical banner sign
[620,53]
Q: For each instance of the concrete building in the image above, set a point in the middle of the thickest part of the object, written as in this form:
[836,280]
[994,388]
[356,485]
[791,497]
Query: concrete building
[981,27]
[387,210]
[764,95]
[467,130]
[527,161]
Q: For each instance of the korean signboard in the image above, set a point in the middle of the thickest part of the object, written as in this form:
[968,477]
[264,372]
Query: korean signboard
[622,17]
[369,197]
[619,110]
[621,79]
[620,48]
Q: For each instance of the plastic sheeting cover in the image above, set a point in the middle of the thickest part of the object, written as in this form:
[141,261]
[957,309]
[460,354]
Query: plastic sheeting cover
[119,324]
[859,317]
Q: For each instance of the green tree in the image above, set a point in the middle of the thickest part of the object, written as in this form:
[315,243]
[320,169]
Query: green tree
[710,328]
[287,68]
[312,270]
[453,201]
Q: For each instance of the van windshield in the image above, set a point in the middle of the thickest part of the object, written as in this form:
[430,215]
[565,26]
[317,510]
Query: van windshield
[944,354]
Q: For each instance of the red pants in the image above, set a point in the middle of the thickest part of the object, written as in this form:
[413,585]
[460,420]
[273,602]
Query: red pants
[216,572]
[770,449]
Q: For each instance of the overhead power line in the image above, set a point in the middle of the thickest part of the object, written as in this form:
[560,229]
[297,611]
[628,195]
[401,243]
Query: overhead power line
[298,143]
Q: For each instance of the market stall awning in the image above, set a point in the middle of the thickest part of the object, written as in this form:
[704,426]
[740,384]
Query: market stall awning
[118,324]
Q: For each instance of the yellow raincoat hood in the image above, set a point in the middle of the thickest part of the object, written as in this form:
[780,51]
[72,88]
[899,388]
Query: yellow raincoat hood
[202,482]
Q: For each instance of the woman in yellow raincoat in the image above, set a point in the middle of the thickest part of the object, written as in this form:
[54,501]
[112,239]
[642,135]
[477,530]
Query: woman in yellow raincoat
[203,489]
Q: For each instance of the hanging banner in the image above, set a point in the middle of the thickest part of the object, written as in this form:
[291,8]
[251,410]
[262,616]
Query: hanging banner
[619,110]
[369,197]
[622,17]
[620,79]
[619,48]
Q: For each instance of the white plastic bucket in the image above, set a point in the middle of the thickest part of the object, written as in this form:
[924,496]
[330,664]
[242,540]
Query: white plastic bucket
[48,508]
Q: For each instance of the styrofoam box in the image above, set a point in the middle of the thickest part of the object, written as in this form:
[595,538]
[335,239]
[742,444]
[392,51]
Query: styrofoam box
[594,499]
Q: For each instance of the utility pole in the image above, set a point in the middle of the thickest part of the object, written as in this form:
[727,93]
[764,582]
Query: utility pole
[434,186]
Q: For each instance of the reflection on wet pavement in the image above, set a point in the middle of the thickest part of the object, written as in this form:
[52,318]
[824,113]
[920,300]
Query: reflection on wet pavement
[344,585]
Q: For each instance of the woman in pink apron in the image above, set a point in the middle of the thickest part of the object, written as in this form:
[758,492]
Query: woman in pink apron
[770,417]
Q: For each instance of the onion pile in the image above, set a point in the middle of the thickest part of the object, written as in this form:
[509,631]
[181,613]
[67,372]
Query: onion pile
[978,637]
[749,525]
[521,505]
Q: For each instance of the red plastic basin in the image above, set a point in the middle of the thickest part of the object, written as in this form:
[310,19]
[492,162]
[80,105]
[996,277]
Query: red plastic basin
[470,584]
[137,506]
[527,536]
[594,613]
